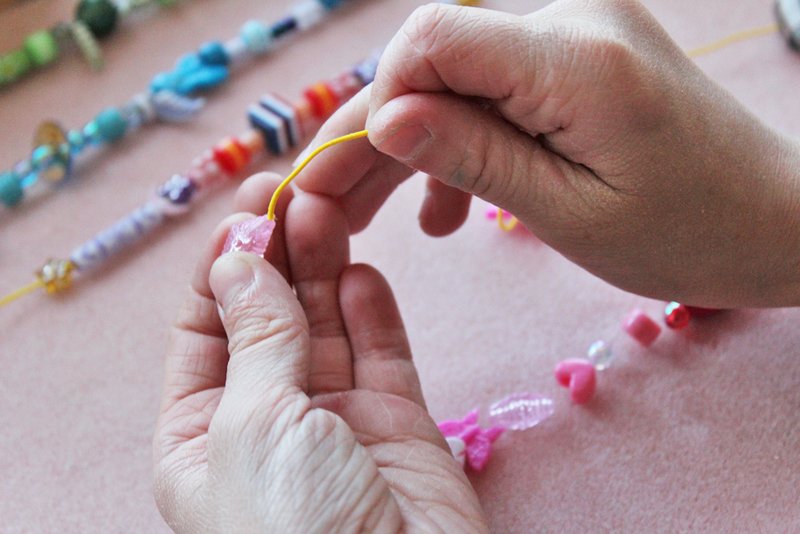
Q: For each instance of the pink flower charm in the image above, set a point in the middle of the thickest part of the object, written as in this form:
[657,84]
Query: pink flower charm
[251,236]
[477,442]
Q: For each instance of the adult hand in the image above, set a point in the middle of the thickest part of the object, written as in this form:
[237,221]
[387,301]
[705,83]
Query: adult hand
[588,123]
[299,413]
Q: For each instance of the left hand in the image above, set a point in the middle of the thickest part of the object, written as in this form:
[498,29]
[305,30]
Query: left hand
[299,413]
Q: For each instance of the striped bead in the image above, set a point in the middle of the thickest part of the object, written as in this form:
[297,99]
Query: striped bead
[278,121]
[112,240]
[284,27]
[323,100]
[231,155]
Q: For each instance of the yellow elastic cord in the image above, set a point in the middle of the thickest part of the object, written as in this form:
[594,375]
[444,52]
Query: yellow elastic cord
[285,183]
[501,221]
[21,292]
[733,39]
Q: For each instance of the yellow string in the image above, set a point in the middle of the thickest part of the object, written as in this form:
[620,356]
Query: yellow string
[285,183]
[734,38]
[21,292]
[501,221]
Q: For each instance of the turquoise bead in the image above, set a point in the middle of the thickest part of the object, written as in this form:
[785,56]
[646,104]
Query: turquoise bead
[111,125]
[41,156]
[213,53]
[10,189]
[256,36]
[76,141]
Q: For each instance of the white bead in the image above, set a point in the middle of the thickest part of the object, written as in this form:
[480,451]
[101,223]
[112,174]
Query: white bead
[601,355]
[237,50]
[458,448]
[308,14]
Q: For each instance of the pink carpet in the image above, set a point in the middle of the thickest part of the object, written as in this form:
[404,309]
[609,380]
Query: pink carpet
[699,434]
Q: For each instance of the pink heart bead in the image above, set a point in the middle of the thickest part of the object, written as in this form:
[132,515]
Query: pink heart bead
[580,377]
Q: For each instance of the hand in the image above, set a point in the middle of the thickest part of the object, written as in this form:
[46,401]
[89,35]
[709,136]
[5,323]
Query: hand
[299,413]
[590,125]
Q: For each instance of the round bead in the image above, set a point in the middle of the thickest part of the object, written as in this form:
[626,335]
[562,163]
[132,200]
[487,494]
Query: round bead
[677,315]
[641,327]
[42,155]
[231,155]
[10,189]
[14,65]
[41,47]
[213,53]
[256,36]
[111,125]
[601,355]
[99,15]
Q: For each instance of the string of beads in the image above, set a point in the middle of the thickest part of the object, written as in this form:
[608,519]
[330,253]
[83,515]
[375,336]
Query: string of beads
[171,97]
[94,19]
[277,126]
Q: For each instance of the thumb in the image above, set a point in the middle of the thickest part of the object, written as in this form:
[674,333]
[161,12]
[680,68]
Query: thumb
[267,331]
[467,146]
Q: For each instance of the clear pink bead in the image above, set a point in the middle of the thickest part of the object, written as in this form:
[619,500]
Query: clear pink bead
[250,236]
[520,411]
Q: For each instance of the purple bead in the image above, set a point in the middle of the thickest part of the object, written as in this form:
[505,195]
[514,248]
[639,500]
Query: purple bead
[178,190]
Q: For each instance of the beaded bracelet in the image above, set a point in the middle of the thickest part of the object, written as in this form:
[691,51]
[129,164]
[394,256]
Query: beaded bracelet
[94,19]
[277,126]
[171,98]
[471,443]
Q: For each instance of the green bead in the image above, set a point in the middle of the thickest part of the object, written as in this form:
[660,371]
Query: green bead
[10,189]
[99,15]
[41,47]
[111,125]
[167,3]
[13,65]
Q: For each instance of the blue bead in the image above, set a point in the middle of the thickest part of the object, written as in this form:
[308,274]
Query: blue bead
[188,63]
[76,141]
[330,4]
[10,189]
[213,53]
[42,156]
[256,36]
[164,81]
[111,125]
[202,79]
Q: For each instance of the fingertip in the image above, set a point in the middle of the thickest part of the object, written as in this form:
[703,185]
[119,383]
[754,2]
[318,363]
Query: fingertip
[254,194]
[444,210]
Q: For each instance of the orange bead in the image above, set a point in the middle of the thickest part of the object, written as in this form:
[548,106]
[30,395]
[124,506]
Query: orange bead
[231,155]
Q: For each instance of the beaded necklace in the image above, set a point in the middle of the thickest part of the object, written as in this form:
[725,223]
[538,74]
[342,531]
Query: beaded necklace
[94,19]
[171,97]
[277,126]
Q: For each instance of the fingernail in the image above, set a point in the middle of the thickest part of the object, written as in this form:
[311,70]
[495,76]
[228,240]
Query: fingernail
[230,276]
[406,143]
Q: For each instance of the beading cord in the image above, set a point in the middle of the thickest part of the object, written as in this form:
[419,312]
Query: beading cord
[171,97]
[277,126]
[94,20]
[753,33]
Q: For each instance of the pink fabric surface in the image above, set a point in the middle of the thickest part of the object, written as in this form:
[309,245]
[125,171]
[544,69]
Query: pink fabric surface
[699,433]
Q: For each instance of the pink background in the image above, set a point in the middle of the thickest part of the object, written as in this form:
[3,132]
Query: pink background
[700,433]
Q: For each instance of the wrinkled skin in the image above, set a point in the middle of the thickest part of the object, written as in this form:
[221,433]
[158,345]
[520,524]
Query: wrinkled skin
[299,413]
[302,411]
[588,123]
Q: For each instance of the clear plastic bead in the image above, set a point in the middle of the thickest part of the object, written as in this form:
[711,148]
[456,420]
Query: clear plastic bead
[520,411]
[601,355]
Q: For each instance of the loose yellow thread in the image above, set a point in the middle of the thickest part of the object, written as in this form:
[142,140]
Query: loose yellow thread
[273,203]
[734,38]
[21,292]
[501,221]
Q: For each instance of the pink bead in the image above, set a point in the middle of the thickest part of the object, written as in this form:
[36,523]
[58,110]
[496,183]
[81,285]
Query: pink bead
[251,236]
[475,442]
[641,327]
[580,377]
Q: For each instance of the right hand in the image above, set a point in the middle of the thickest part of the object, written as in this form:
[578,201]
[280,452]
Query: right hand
[588,123]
